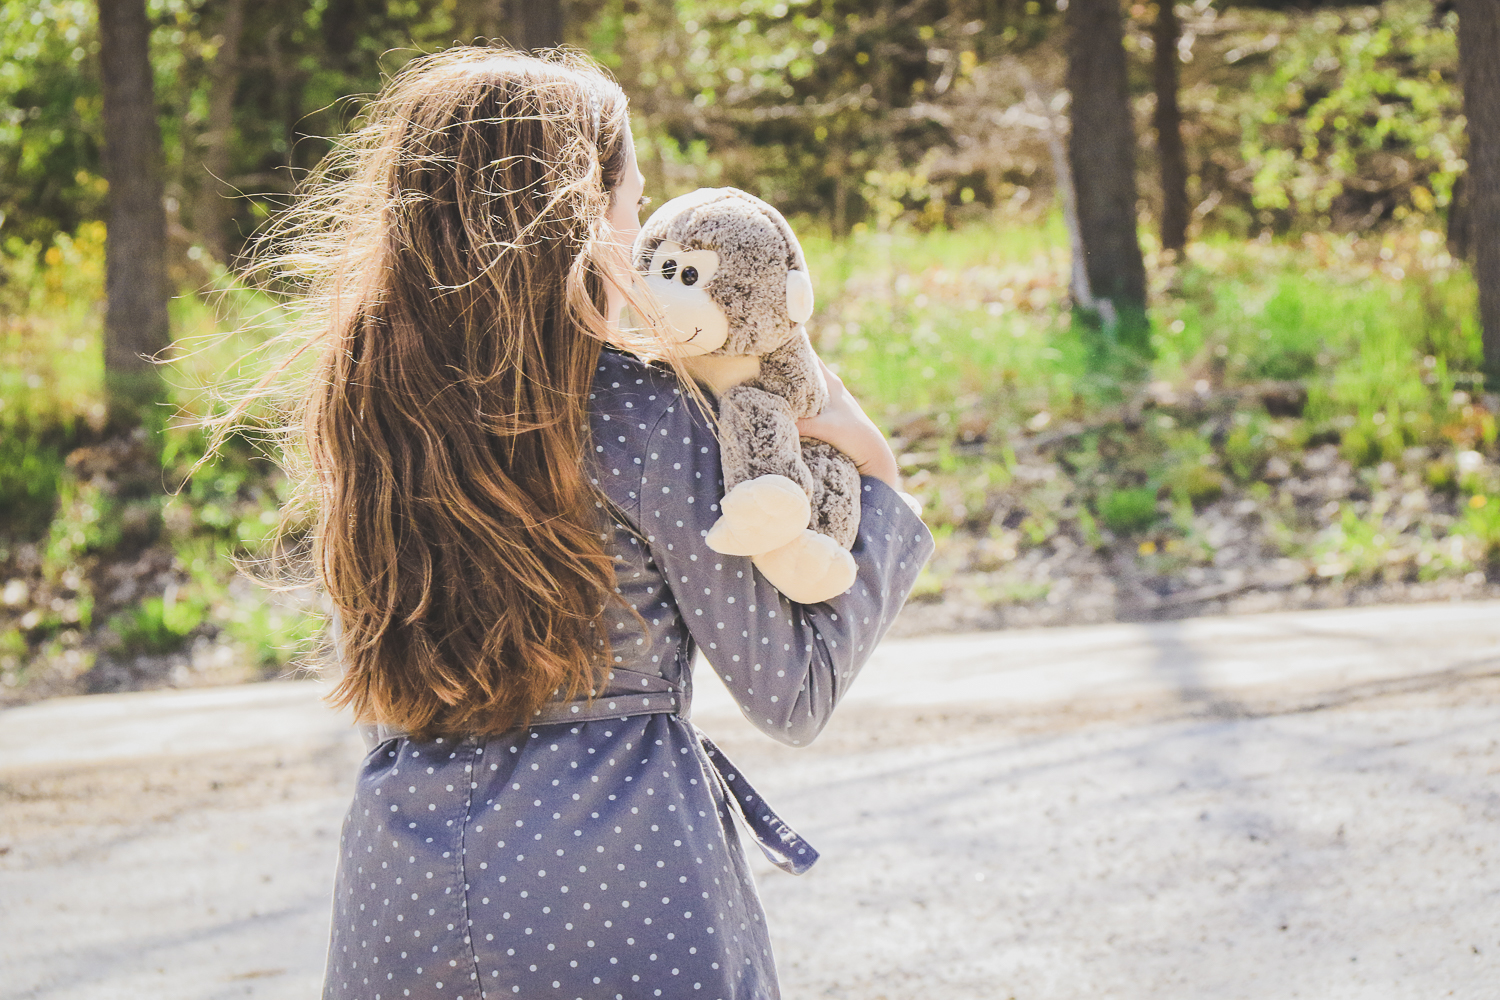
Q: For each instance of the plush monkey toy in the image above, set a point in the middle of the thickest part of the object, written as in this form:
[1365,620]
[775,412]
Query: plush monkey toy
[732,285]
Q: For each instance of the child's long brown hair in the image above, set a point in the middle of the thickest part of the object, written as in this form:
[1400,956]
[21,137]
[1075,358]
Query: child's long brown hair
[456,285]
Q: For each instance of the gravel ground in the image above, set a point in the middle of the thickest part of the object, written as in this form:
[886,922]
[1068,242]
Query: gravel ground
[1290,805]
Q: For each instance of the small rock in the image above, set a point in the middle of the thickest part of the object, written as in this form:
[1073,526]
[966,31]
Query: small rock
[15,592]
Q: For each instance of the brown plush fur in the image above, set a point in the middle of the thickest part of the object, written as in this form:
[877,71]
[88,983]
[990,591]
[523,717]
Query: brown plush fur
[757,414]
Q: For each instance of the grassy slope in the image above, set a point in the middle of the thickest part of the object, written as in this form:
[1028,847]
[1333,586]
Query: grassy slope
[1308,433]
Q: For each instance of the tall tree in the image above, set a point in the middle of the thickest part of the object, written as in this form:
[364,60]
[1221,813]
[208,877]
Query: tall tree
[1101,152]
[481,20]
[212,214]
[1479,69]
[538,23]
[1166,76]
[135,248]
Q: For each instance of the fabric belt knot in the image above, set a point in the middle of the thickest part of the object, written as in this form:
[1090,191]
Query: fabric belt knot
[631,693]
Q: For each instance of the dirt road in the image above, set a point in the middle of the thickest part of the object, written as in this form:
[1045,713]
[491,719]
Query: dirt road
[1291,805]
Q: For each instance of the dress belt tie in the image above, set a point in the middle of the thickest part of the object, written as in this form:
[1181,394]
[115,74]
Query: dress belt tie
[648,694]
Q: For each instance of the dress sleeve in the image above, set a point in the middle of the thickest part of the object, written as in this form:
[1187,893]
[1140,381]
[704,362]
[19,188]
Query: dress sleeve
[786,664]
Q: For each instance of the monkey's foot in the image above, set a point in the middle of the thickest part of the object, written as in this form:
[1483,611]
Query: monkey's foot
[809,569]
[759,515]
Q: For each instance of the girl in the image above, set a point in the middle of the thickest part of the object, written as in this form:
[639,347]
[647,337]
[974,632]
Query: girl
[510,522]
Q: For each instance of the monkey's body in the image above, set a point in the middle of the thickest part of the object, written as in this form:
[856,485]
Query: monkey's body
[757,417]
[791,503]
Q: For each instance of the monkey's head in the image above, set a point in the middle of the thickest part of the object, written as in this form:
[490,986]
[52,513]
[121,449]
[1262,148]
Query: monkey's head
[727,271]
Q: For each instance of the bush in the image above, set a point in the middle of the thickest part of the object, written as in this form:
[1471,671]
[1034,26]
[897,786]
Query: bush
[1128,511]
[1481,522]
[30,471]
[155,626]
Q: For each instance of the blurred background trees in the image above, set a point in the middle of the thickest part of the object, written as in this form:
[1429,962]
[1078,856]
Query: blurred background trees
[1246,365]
[1479,55]
[1242,117]
[1290,116]
[1101,152]
[136,291]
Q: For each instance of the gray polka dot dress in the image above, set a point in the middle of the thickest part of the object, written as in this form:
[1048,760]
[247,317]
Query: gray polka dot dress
[596,856]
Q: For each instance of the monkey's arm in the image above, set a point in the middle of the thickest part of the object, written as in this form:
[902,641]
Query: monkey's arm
[792,372]
[759,438]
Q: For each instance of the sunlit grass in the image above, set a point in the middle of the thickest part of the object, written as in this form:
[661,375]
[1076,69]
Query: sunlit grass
[51,318]
[948,321]
[961,343]
[962,319]
[1381,332]
[51,337]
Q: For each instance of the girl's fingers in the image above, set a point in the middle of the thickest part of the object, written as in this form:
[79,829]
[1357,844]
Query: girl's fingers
[845,425]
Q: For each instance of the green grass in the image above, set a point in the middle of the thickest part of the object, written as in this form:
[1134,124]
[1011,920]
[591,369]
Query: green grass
[1128,511]
[71,528]
[961,343]
[972,328]
[949,320]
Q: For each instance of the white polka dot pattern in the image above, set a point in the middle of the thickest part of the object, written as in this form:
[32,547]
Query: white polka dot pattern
[598,860]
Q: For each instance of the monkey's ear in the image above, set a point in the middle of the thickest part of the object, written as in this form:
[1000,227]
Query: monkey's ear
[799,296]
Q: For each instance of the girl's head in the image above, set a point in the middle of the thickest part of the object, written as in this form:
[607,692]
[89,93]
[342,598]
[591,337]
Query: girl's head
[459,273]
[483,172]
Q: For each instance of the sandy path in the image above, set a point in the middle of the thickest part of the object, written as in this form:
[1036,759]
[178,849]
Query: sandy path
[1280,806]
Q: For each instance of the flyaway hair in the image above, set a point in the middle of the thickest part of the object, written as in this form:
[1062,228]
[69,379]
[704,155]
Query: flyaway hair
[451,258]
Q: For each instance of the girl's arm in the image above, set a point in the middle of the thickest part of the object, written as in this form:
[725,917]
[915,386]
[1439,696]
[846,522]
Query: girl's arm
[786,664]
[844,424]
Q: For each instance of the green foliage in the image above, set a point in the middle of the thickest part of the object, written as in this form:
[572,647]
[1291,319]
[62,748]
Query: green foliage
[86,523]
[1358,115]
[49,118]
[1089,528]
[808,103]
[30,470]
[959,341]
[1380,341]
[1380,387]
[1481,522]
[1354,548]
[158,625]
[51,316]
[101,515]
[13,646]
[934,320]
[298,63]
[1127,511]
[1195,482]
[1248,445]
[272,636]
[836,109]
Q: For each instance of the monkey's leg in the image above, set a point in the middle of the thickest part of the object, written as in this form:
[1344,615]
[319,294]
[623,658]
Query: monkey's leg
[767,484]
[816,565]
[835,497]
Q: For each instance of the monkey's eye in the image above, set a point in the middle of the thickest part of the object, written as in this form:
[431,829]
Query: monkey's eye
[669,269]
[690,275]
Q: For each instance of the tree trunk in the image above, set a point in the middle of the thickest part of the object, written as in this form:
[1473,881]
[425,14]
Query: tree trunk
[481,20]
[1101,152]
[1458,221]
[341,27]
[211,219]
[538,23]
[135,318]
[1479,69]
[1174,196]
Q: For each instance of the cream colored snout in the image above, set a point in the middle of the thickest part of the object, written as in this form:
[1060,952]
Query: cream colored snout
[678,278]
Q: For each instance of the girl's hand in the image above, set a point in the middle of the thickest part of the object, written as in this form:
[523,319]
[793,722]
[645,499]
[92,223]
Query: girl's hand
[844,424]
